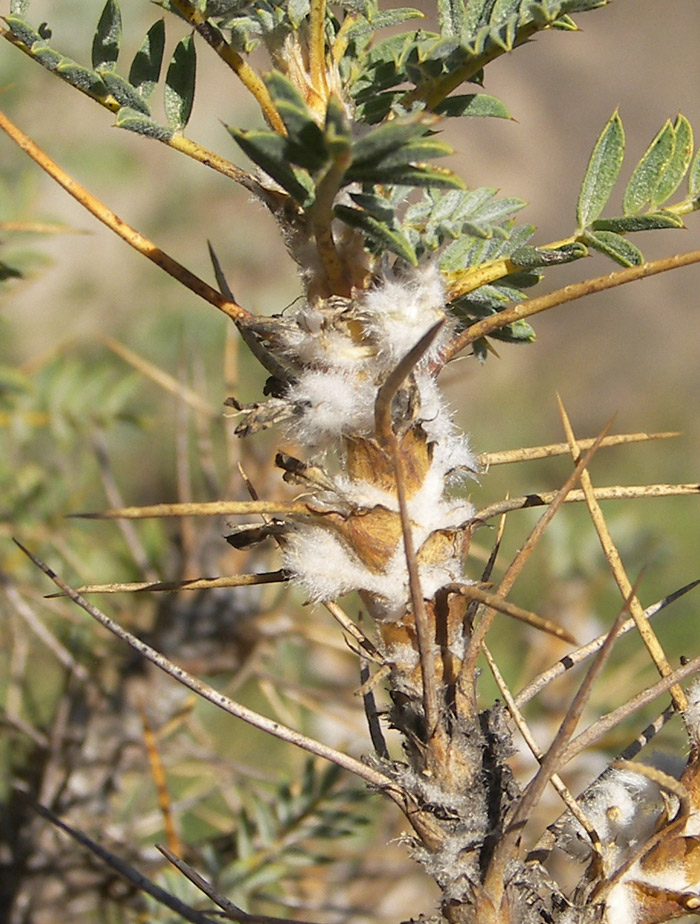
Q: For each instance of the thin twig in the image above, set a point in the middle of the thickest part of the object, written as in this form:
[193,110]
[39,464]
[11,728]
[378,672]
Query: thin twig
[375,729]
[160,782]
[162,378]
[550,764]
[204,509]
[352,629]
[609,492]
[653,646]
[371,776]
[426,647]
[528,453]
[114,497]
[472,592]
[468,668]
[137,879]
[585,651]
[61,653]
[128,234]
[607,722]
[529,739]
[232,911]
[232,580]
[382,406]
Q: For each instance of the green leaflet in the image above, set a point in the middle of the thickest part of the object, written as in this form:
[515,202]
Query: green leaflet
[649,221]
[144,72]
[180,83]
[694,176]
[81,77]
[385,139]
[124,93]
[377,232]
[473,104]
[534,257]
[411,175]
[677,164]
[305,140]
[615,246]
[22,31]
[269,151]
[602,172]
[382,19]
[134,121]
[645,178]
[108,37]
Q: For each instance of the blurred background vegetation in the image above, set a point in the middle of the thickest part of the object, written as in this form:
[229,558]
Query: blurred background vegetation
[82,421]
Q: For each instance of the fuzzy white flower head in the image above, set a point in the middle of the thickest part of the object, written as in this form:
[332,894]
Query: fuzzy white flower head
[398,312]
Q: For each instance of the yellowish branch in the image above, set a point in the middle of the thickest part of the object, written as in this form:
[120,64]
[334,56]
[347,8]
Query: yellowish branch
[317,48]
[233,580]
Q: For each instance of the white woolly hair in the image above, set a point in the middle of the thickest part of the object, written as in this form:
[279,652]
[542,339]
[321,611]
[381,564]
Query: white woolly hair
[333,403]
[326,568]
[399,311]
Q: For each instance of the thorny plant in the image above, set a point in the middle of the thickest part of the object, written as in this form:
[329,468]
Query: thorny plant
[403,267]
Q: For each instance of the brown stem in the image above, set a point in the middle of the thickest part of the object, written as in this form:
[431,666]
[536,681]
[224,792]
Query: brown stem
[132,237]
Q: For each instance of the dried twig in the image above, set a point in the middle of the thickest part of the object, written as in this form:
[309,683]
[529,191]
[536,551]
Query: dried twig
[613,557]
[468,669]
[529,453]
[138,880]
[611,492]
[585,651]
[205,509]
